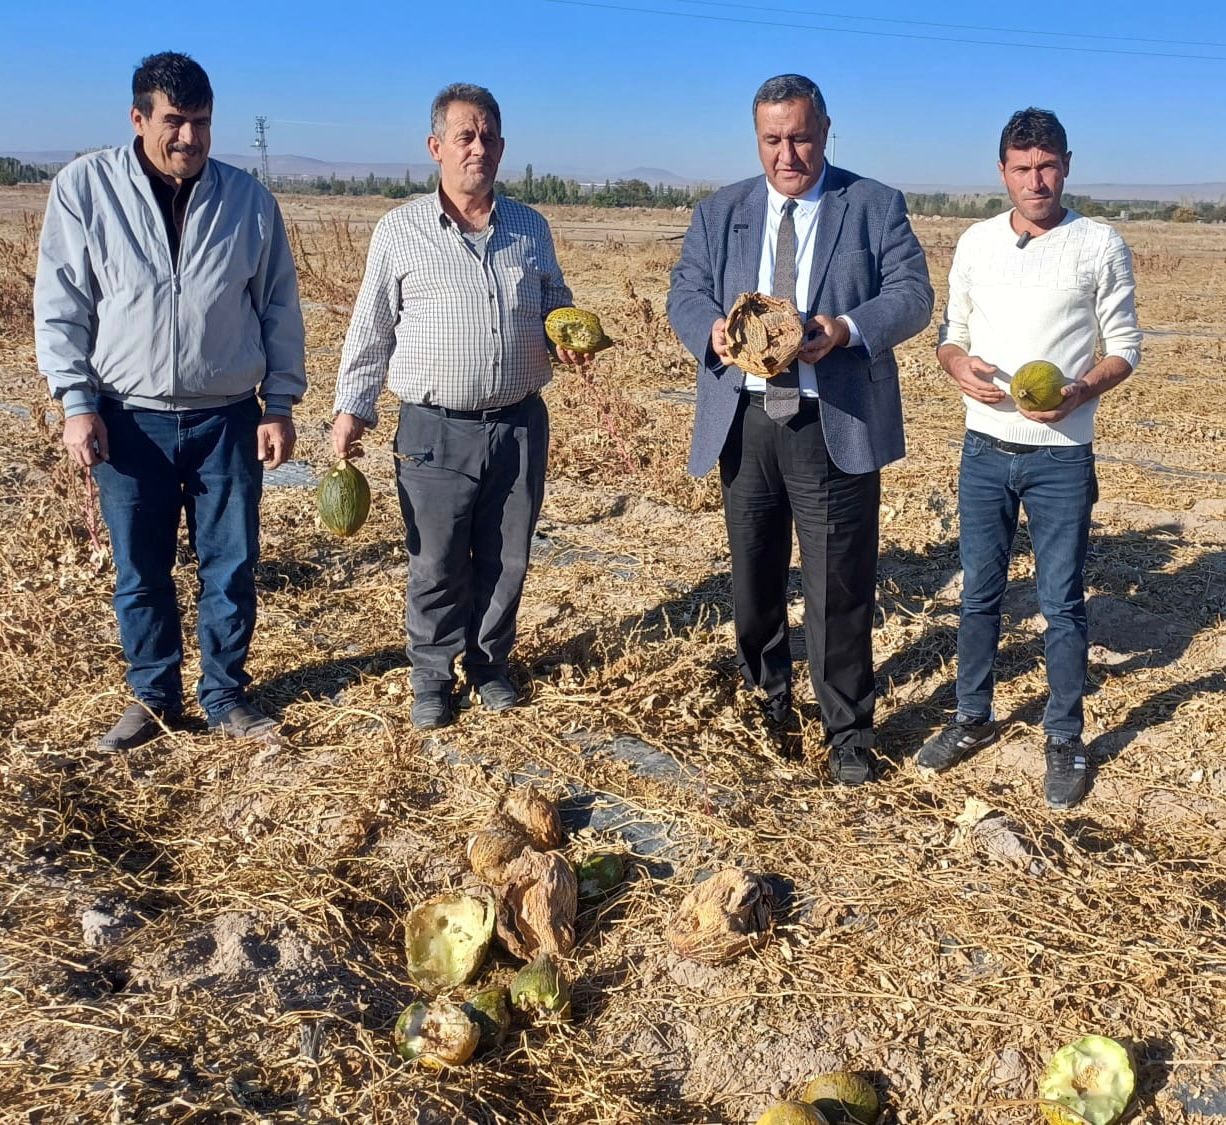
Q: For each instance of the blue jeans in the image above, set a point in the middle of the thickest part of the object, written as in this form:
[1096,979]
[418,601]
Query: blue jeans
[201,463]
[1057,487]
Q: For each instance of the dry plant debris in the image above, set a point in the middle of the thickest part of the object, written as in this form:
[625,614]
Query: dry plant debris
[198,931]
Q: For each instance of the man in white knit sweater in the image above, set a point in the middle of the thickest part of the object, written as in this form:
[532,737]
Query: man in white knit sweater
[1039,282]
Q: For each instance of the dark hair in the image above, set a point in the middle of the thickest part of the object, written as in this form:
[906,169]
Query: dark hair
[1034,128]
[470,95]
[179,77]
[788,88]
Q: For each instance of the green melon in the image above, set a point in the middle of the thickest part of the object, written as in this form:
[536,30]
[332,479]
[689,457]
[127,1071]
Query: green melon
[1036,386]
[843,1098]
[343,499]
[576,329]
[490,1010]
[792,1113]
[599,874]
[541,989]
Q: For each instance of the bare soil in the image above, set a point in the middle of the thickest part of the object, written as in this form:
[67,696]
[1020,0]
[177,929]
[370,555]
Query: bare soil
[206,930]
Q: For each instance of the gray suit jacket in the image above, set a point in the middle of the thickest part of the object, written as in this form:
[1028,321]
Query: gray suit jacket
[867,264]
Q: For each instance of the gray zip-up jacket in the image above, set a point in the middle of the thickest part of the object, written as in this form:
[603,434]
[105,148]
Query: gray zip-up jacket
[114,315]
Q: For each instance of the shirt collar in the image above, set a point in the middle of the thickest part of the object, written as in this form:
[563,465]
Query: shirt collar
[806,202]
[445,220]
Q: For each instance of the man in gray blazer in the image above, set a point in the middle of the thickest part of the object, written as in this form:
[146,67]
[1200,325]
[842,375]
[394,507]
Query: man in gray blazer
[808,447]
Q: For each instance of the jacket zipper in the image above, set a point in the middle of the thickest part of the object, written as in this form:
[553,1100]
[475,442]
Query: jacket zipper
[175,290]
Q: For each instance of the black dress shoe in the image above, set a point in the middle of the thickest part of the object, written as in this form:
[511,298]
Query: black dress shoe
[431,710]
[138,724]
[850,764]
[777,709]
[497,694]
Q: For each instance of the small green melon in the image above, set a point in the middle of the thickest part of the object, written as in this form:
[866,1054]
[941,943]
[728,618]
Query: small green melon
[343,499]
[1036,386]
[490,1010]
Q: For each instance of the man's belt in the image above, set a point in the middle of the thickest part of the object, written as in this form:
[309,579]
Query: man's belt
[758,398]
[1014,447]
[497,414]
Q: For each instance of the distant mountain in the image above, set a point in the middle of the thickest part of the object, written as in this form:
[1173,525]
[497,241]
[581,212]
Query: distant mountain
[655,176]
[1165,193]
[308,167]
[1210,192]
[50,159]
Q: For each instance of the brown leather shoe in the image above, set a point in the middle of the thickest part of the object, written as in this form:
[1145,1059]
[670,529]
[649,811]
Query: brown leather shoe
[138,724]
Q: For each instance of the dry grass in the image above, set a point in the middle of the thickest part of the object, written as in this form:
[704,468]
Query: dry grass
[198,931]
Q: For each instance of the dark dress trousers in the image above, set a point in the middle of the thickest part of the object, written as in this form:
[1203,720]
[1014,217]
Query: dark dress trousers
[820,471]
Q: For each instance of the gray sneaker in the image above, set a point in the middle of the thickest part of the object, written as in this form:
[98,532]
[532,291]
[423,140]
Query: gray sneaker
[947,748]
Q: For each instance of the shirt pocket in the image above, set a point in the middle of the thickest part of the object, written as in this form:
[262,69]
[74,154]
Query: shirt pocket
[520,279]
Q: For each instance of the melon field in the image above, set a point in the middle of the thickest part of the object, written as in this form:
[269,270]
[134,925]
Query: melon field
[203,930]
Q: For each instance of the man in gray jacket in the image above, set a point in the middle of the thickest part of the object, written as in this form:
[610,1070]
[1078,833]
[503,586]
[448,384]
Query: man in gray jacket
[165,302]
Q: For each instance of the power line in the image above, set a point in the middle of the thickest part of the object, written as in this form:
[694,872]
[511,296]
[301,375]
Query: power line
[959,26]
[886,34]
[261,143]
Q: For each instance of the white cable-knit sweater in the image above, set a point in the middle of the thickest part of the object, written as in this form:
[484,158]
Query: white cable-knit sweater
[1053,299]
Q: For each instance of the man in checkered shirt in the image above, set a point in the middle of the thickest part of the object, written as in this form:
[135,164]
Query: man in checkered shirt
[451,315]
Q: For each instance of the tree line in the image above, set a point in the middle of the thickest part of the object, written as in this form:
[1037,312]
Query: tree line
[528,189]
[985,206]
[13,171]
[549,188]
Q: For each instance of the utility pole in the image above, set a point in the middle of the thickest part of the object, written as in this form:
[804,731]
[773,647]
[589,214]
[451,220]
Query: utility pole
[834,146]
[261,143]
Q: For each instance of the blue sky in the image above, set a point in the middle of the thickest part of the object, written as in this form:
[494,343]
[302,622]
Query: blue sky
[596,87]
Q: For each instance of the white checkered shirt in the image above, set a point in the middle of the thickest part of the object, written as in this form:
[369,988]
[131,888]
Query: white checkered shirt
[444,325]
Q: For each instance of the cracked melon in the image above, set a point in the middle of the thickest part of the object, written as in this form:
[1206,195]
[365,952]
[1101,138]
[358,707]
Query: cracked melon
[1092,1081]
[576,329]
[446,940]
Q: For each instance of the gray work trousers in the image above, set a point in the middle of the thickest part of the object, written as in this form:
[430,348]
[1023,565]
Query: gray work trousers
[470,486]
